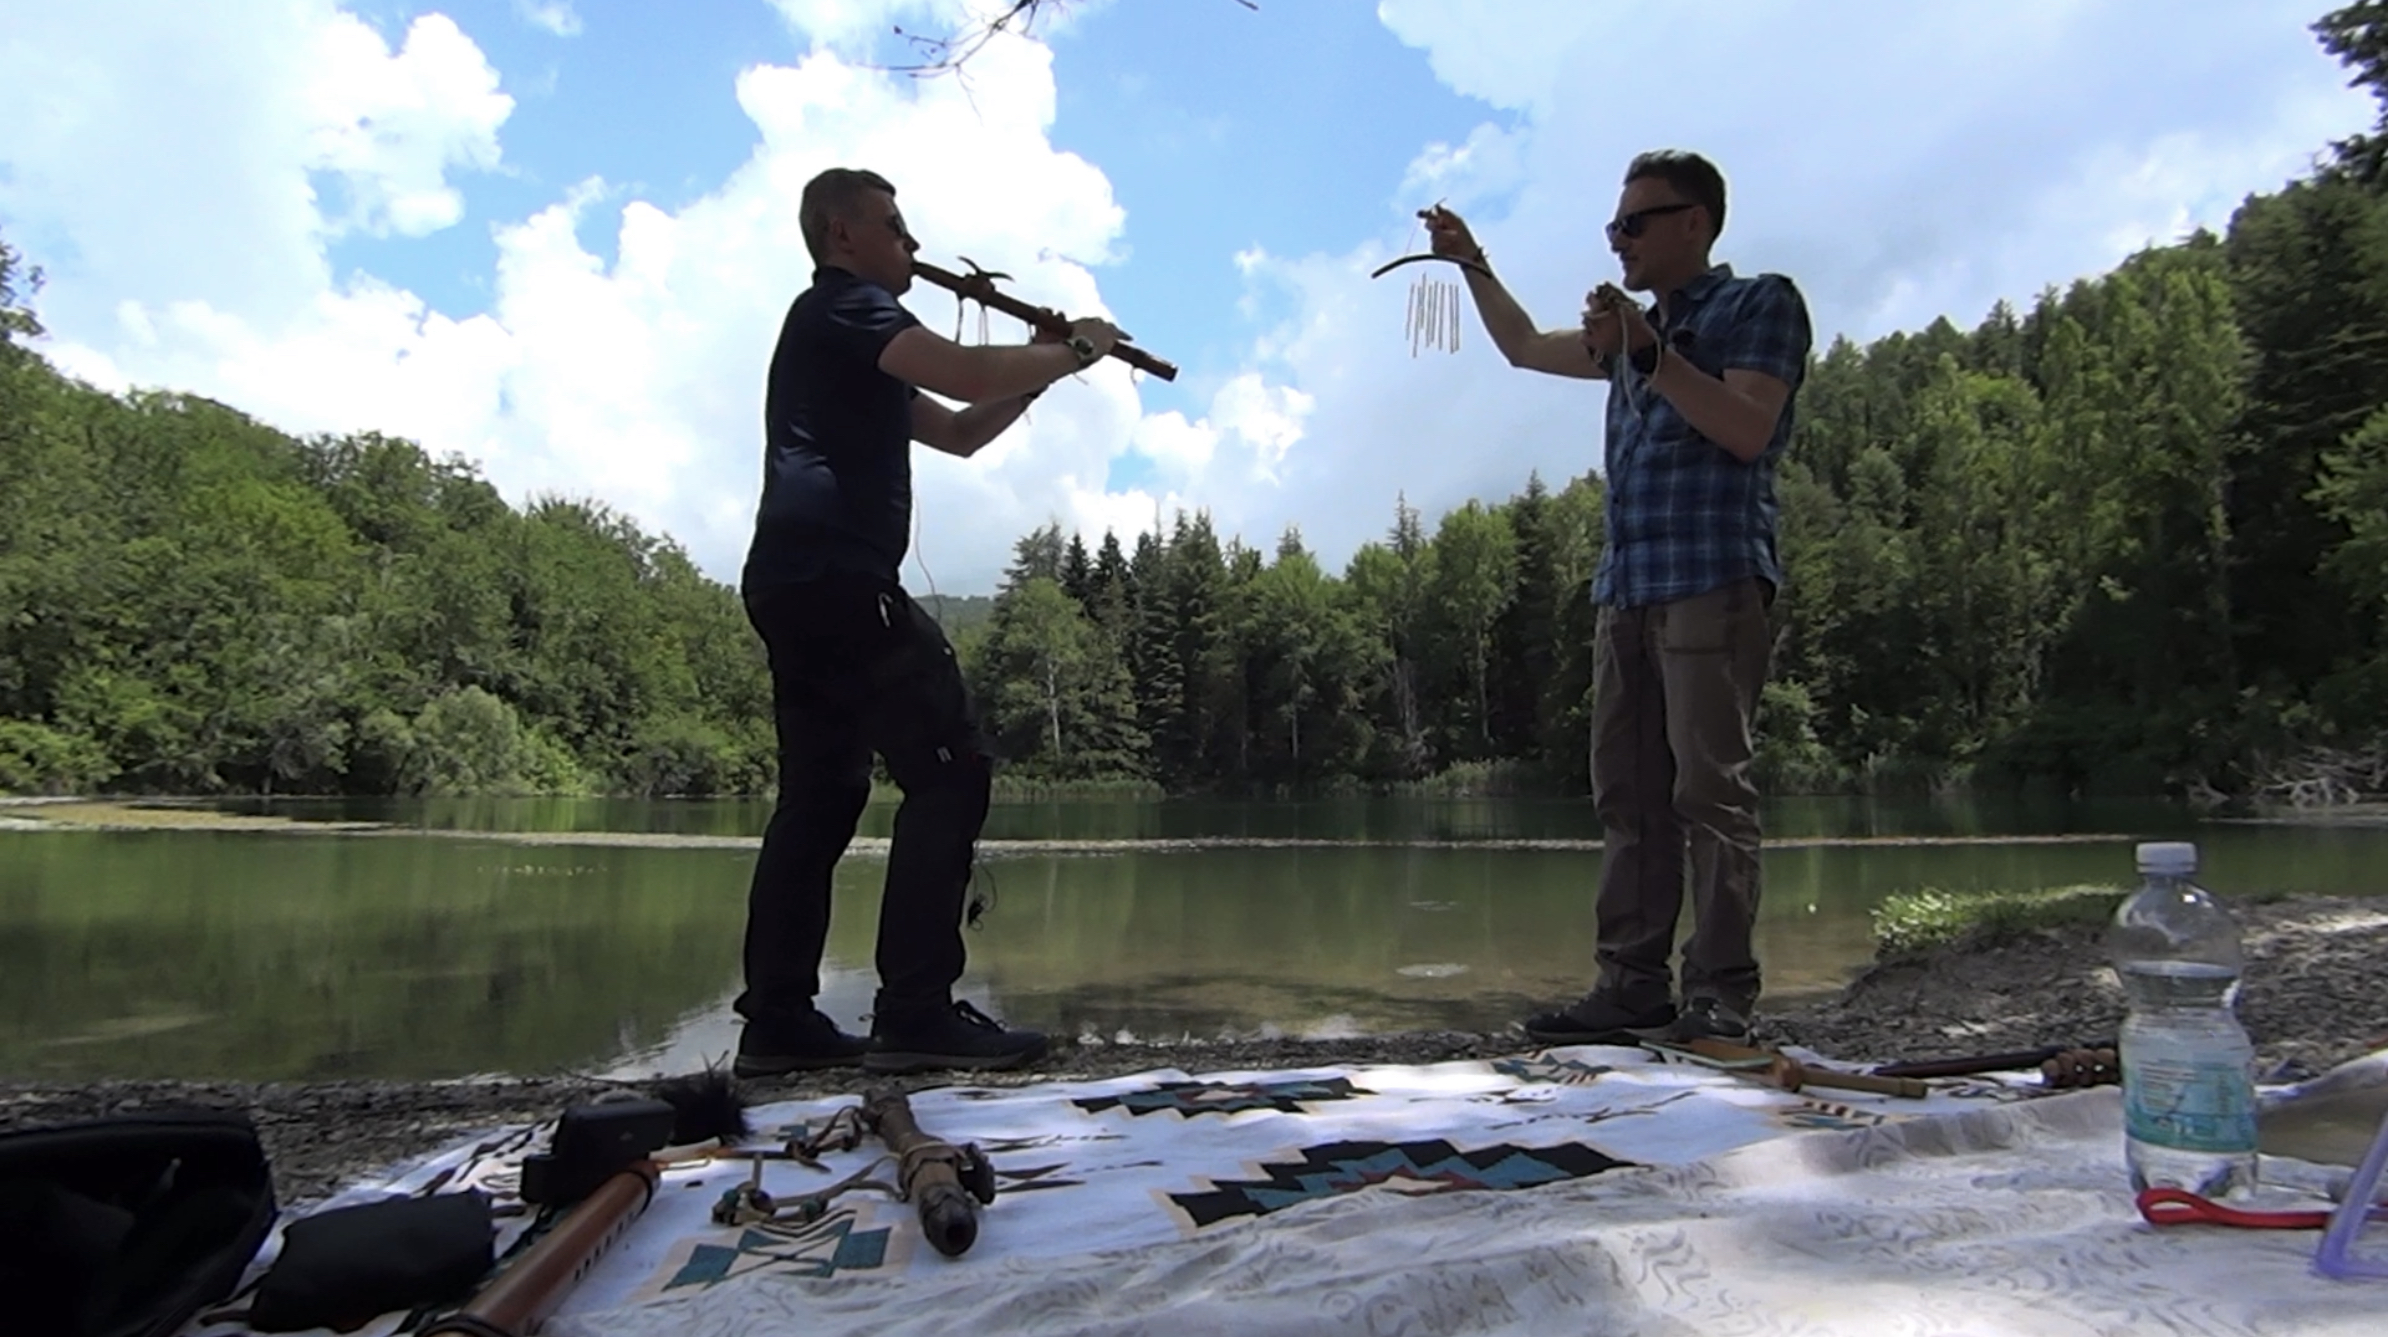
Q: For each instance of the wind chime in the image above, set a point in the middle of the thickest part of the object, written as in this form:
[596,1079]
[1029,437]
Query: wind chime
[1434,314]
[1434,306]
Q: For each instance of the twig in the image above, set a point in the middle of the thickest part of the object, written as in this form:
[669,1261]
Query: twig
[946,55]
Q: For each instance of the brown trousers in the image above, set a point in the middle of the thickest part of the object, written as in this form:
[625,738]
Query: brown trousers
[1676,687]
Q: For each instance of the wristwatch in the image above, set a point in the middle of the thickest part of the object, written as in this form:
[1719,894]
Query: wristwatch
[1084,348]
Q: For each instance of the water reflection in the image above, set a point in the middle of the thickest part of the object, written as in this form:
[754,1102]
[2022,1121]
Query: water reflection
[1352,817]
[189,953]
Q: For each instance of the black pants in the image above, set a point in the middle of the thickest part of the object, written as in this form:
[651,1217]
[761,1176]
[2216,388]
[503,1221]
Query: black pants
[857,668]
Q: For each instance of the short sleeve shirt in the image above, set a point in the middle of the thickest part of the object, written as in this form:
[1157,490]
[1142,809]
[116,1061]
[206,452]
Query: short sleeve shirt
[1685,516]
[837,433]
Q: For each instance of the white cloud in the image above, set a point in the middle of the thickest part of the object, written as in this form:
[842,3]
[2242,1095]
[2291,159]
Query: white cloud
[1901,161]
[555,16]
[391,125]
[1179,447]
[1266,418]
[1489,164]
[163,153]
[1875,142]
[1263,420]
[636,380]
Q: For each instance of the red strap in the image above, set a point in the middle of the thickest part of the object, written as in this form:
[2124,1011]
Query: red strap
[2180,1207]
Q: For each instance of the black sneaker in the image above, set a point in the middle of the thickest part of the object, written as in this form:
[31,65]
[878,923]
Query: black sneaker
[1597,1019]
[952,1035]
[1703,1018]
[805,1042]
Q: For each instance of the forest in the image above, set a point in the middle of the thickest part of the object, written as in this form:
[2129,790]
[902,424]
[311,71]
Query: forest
[2131,540]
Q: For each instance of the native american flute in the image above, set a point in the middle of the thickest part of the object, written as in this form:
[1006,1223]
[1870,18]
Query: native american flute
[1967,1065]
[1776,1068]
[530,1287]
[981,288]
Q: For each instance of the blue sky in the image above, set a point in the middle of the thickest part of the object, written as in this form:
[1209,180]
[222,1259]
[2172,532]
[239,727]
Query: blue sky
[1293,118]
[555,236]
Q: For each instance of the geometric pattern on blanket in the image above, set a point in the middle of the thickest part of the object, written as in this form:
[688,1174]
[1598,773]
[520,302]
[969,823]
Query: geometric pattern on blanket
[1556,1069]
[1988,1219]
[1080,1167]
[817,1249]
[1810,1114]
[1429,1166]
[1190,1100]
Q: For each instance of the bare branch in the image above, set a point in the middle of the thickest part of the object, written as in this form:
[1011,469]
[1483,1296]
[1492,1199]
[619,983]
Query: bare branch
[946,54]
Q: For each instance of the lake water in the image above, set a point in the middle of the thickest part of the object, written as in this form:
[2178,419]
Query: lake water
[452,951]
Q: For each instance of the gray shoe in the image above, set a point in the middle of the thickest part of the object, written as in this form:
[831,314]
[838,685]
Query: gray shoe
[1703,1018]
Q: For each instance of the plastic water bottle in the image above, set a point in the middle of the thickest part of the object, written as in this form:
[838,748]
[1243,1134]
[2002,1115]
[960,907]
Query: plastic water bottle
[2188,1067]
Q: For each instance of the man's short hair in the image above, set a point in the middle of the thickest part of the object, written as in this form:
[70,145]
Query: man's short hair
[834,194]
[1693,177]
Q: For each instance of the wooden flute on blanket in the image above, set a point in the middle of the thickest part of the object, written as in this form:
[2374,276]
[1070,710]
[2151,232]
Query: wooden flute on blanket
[979,286]
[607,1159]
[1781,1070]
[2061,1065]
[534,1284]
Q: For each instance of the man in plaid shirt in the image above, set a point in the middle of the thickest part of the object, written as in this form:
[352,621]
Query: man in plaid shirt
[1699,412]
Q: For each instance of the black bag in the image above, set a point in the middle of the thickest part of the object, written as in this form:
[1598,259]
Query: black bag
[128,1226]
[341,1268]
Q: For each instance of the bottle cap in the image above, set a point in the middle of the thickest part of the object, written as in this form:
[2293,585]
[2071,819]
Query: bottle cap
[2176,858]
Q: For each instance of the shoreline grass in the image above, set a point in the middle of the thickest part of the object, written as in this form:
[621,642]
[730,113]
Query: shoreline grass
[1908,923]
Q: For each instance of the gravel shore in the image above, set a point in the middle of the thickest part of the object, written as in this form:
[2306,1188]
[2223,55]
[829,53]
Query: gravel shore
[2316,994]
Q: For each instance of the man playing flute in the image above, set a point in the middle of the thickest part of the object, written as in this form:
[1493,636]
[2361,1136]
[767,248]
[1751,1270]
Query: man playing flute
[856,667]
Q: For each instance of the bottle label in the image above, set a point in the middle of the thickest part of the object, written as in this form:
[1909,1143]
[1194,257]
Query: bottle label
[2189,1106]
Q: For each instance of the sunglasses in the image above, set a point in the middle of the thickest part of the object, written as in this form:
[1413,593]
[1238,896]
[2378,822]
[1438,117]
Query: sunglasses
[1633,224]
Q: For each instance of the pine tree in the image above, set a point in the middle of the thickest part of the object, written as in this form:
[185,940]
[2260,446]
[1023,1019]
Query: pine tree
[1077,574]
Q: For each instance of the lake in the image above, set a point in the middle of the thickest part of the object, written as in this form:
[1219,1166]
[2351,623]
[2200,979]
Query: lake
[448,949]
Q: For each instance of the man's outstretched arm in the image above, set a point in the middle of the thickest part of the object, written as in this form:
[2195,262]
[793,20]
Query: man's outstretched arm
[1554,352]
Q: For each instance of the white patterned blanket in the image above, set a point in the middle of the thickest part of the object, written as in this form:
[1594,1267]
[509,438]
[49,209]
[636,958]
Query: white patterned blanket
[1582,1190]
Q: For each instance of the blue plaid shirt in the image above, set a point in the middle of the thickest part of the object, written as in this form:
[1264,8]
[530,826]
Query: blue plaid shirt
[1684,516]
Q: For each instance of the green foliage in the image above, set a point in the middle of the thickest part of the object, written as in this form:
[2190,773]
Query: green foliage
[1480,779]
[2127,541]
[194,602]
[1914,921]
[1791,758]
[688,756]
[1052,689]
[2353,492]
[2358,35]
[467,741]
[17,321]
[37,759]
